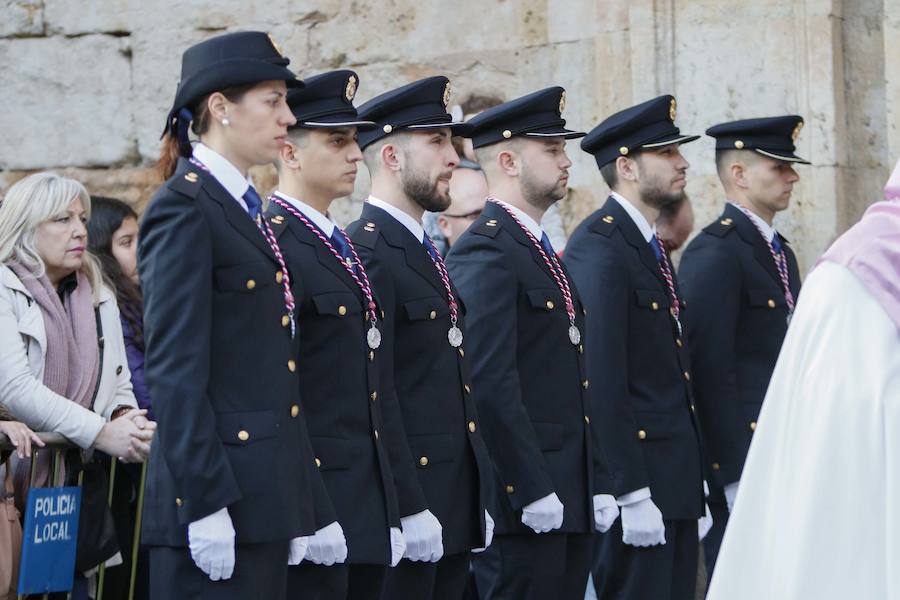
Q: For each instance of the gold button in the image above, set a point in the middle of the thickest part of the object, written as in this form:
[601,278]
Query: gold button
[342,310]
[752,425]
[243,435]
[279,276]
[382,314]
[371,355]
[654,306]
[679,343]
[462,352]
[510,489]
[318,462]
[687,376]
[295,410]
[366,315]
[642,435]
[550,305]
[507,133]
[738,144]
[623,150]
[292,366]
[715,466]
[693,408]
[285,321]
[387,129]
[472,426]
[374,396]
[376,434]
[771,303]
[251,284]
[179,502]
[423,461]
[587,419]
[467,388]
[432,315]
[580,348]
[585,384]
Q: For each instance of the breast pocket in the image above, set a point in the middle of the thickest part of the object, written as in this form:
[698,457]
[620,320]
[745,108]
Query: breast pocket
[652,300]
[764,299]
[425,309]
[336,304]
[546,300]
[247,278]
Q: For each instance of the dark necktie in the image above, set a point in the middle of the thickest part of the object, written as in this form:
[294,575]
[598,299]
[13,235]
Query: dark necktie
[342,245]
[254,203]
[432,249]
[776,244]
[657,251]
[547,246]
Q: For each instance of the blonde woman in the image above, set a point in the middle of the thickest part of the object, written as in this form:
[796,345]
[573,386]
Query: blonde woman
[62,358]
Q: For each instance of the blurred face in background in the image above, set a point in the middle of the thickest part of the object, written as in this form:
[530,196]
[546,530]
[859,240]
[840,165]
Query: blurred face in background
[468,192]
[61,241]
[124,248]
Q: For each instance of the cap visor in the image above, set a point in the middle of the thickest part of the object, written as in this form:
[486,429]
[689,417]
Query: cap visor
[463,129]
[784,156]
[566,134]
[678,139]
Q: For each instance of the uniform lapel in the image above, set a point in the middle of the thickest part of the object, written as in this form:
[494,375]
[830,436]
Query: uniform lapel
[750,234]
[633,236]
[494,211]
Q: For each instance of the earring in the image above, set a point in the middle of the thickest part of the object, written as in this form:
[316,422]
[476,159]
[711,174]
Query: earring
[225,123]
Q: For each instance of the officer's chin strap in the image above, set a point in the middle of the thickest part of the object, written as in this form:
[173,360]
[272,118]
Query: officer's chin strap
[182,123]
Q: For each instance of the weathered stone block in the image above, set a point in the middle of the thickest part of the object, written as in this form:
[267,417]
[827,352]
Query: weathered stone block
[21,18]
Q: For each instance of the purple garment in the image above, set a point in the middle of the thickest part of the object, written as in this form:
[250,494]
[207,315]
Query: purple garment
[136,364]
[871,251]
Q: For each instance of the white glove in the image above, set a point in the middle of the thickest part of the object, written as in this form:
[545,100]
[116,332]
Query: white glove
[606,511]
[327,546]
[211,541]
[642,524]
[544,515]
[730,494]
[422,535]
[488,532]
[297,550]
[704,523]
[398,546]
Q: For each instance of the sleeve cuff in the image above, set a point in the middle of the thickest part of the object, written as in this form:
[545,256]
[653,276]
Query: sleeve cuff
[632,497]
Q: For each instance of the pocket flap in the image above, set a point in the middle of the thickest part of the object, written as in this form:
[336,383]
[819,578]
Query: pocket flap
[246,277]
[332,453]
[337,304]
[654,426]
[545,299]
[764,299]
[431,449]
[426,308]
[652,299]
[242,428]
[550,435]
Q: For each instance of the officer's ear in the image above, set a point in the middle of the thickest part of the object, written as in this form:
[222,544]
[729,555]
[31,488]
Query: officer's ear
[508,162]
[738,172]
[288,156]
[627,169]
[390,156]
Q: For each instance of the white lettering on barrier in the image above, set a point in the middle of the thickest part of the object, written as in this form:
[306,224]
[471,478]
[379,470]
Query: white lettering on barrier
[55,530]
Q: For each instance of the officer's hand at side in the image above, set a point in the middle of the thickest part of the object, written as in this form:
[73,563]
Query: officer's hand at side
[488,532]
[297,550]
[328,546]
[704,523]
[398,546]
[544,515]
[606,511]
[731,491]
[422,533]
[211,541]
[642,524]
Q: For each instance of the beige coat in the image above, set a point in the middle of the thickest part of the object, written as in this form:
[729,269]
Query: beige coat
[22,348]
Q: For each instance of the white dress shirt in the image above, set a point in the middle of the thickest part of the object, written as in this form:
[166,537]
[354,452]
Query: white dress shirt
[647,230]
[767,230]
[533,226]
[224,172]
[319,220]
[407,221]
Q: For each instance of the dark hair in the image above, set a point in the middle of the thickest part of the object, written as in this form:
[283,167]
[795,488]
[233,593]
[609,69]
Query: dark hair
[107,215]
[170,151]
[609,173]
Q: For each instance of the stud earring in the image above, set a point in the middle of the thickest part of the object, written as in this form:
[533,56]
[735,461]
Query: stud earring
[225,123]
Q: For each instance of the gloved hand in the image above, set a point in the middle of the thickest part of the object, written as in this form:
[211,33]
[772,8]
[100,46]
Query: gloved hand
[422,533]
[488,532]
[398,546]
[211,542]
[642,524]
[704,523]
[327,546]
[544,515]
[297,550]
[605,512]
[731,491]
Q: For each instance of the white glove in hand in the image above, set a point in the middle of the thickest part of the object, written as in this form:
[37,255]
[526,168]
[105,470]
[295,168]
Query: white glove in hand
[544,515]
[297,550]
[211,541]
[606,511]
[730,494]
[398,546]
[642,524]
[327,546]
[488,533]
[422,534]
[704,523]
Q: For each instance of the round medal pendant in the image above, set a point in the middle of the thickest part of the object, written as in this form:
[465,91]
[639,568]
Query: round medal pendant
[574,335]
[373,337]
[455,337]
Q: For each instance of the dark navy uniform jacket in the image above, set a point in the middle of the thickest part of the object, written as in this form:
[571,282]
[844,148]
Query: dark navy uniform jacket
[354,425]
[222,371]
[639,362]
[736,325]
[530,381]
[430,377]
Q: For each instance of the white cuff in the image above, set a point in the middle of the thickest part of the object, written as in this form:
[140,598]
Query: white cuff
[632,497]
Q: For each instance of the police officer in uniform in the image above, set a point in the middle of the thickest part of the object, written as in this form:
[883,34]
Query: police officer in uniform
[638,352]
[229,499]
[410,157]
[360,450]
[525,336]
[741,280]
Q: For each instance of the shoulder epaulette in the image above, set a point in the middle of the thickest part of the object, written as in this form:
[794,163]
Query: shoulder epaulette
[188,184]
[366,235]
[278,224]
[720,228]
[490,227]
[605,225]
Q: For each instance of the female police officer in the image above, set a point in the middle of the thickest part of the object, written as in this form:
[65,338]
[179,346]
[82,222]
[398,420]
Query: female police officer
[229,479]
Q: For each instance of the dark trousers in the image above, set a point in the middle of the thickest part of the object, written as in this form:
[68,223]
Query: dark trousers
[309,581]
[713,540]
[443,580]
[534,567]
[664,572]
[260,571]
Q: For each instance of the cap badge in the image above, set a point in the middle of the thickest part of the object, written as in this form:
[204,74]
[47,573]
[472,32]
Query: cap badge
[739,144]
[275,45]
[562,102]
[446,97]
[796,133]
[672,106]
[350,91]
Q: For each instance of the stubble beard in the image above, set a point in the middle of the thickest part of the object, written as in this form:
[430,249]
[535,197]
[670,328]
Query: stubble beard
[424,191]
[540,195]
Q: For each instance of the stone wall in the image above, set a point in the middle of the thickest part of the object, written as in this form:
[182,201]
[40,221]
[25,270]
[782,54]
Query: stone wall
[86,84]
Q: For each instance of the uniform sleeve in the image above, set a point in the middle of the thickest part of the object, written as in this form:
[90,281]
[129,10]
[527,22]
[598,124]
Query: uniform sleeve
[603,284]
[490,293]
[710,280]
[175,257]
[410,497]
